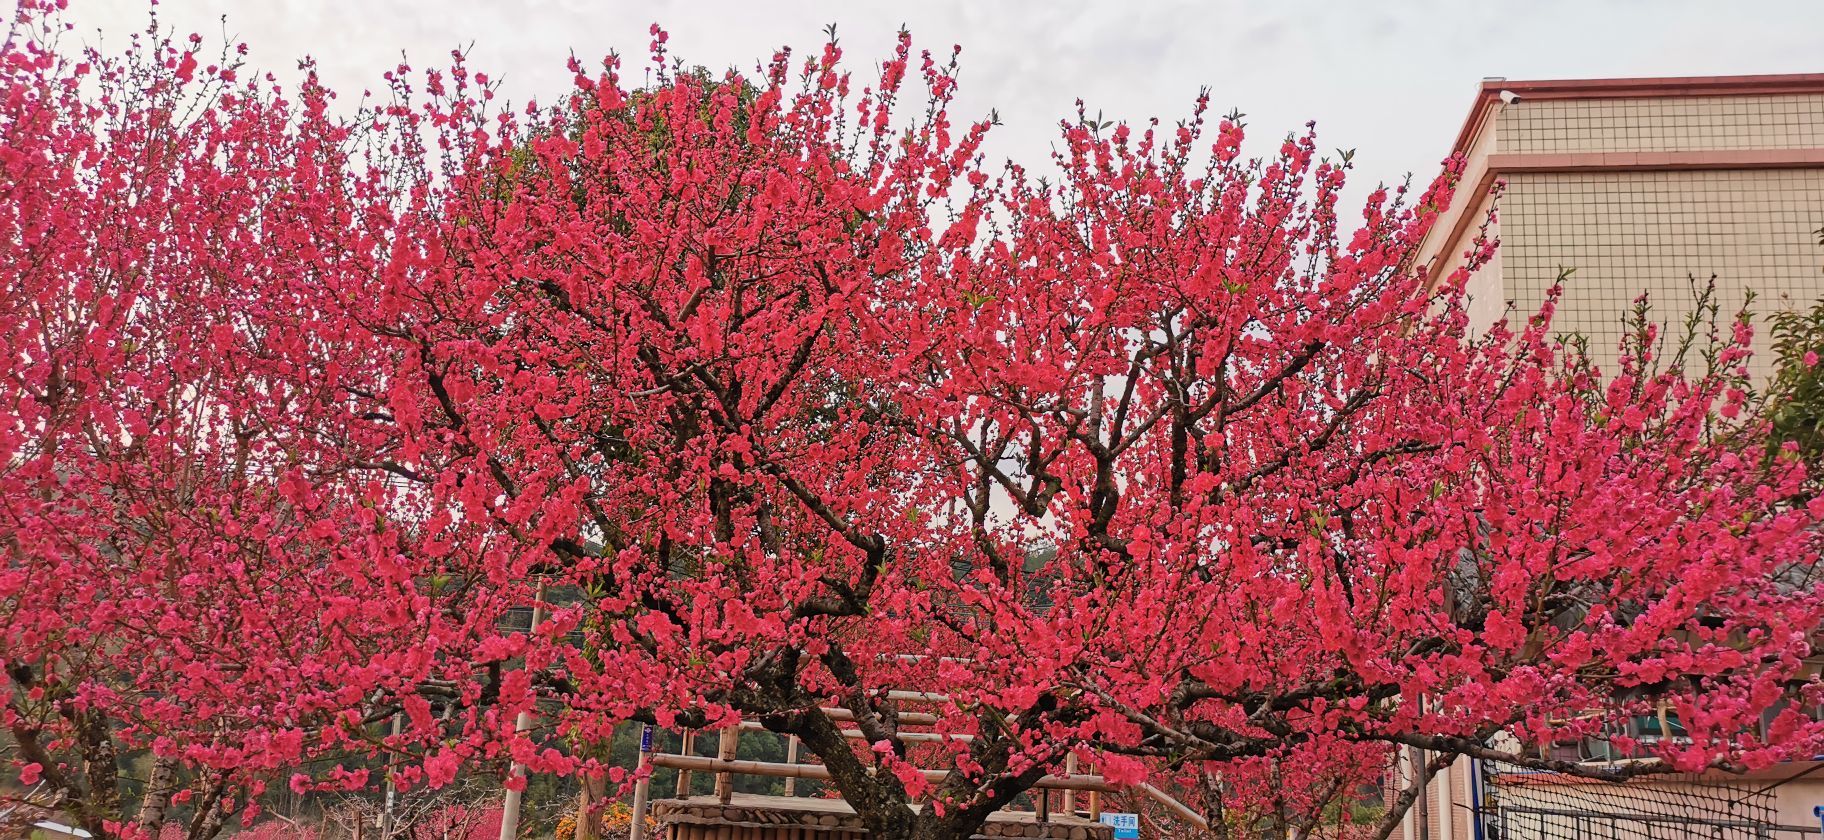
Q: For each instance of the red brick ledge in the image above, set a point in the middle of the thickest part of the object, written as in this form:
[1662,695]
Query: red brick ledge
[1623,161]
[1510,164]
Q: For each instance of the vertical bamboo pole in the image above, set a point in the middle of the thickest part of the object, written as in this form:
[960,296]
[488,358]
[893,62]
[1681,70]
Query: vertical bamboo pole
[791,757]
[725,750]
[1070,796]
[1095,801]
[687,746]
[509,807]
[642,789]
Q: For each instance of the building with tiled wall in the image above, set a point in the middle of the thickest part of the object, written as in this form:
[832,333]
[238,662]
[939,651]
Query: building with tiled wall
[1638,185]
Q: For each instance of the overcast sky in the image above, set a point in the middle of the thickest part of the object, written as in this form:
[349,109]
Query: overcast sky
[1391,78]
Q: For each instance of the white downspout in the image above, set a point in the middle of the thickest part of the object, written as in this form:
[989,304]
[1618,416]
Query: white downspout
[1410,828]
[1446,803]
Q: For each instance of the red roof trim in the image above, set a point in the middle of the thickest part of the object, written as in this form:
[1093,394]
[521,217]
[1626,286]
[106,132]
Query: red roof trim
[1489,94]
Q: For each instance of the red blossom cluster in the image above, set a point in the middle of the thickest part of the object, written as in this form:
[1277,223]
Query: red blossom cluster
[774,398]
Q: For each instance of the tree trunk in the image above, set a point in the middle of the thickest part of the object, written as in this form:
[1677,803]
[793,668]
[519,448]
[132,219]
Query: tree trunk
[594,793]
[209,814]
[916,826]
[161,782]
[1396,812]
[926,826]
[101,800]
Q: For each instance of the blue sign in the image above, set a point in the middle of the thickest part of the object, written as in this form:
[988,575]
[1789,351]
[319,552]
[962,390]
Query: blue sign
[1127,826]
[646,738]
[1818,811]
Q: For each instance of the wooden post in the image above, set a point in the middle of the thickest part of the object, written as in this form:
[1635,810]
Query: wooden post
[791,757]
[1042,806]
[1095,804]
[509,806]
[725,781]
[642,789]
[1070,796]
[687,746]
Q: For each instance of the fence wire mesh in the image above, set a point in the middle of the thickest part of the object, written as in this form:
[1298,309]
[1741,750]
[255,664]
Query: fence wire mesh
[1520,804]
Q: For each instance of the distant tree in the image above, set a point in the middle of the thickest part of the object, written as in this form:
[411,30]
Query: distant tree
[464,811]
[1795,396]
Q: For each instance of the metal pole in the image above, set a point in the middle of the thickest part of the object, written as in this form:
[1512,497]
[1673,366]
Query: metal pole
[642,788]
[509,808]
[820,772]
[1477,818]
[855,734]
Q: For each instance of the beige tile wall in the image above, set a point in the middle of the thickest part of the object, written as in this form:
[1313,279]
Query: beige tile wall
[1628,232]
[1674,124]
[1487,299]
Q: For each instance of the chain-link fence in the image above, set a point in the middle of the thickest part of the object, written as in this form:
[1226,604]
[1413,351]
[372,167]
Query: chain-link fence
[1520,804]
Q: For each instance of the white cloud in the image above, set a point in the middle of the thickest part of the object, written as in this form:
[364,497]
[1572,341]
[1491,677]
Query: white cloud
[1391,79]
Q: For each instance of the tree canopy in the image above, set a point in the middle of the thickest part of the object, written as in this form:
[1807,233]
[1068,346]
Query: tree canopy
[778,398]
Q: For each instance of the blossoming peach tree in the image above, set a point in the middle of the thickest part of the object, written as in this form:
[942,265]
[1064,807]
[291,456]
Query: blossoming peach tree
[775,398]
